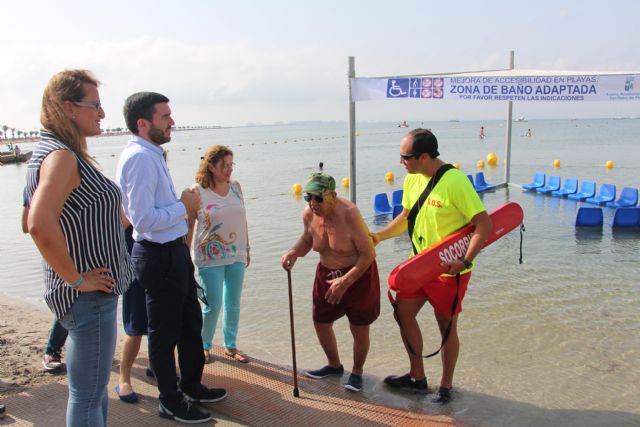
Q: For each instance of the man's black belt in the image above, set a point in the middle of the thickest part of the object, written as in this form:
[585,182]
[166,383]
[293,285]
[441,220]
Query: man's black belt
[182,240]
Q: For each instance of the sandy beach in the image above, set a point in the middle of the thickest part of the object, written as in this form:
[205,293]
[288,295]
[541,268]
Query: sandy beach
[34,397]
[24,330]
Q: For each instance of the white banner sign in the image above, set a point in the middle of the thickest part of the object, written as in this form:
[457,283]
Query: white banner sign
[560,88]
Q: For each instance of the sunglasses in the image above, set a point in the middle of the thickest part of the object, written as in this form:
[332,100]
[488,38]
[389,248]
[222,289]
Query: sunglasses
[408,156]
[97,105]
[309,197]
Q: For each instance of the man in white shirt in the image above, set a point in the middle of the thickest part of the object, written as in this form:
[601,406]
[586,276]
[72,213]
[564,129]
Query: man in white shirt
[162,260]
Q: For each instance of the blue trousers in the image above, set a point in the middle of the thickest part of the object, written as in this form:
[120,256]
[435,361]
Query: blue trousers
[91,322]
[57,339]
[221,284]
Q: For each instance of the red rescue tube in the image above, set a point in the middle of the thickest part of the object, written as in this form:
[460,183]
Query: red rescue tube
[410,276]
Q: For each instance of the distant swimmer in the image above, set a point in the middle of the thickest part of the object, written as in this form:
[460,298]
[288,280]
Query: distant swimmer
[403,124]
[321,166]
[528,133]
[481,132]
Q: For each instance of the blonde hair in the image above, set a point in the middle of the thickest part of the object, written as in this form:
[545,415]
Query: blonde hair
[213,155]
[66,85]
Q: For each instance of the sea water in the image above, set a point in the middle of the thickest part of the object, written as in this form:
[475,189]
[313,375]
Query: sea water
[551,341]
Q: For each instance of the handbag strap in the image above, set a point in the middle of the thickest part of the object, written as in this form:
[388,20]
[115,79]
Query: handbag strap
[415,209]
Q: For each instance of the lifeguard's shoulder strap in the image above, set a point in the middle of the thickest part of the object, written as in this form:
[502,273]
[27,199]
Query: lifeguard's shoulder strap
[415,209]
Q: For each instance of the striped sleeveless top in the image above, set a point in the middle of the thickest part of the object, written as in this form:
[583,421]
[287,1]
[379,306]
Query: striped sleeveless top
[91,224]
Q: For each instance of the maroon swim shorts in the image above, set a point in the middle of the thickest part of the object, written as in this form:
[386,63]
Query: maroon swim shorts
[361,302]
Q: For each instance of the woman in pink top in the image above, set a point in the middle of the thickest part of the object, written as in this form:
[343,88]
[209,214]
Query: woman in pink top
[220,247]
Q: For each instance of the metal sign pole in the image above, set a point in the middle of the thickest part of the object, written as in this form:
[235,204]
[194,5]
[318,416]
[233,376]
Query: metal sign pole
[352,134]
[507,149]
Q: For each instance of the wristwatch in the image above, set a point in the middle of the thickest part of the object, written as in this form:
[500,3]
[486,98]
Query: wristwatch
[466,262]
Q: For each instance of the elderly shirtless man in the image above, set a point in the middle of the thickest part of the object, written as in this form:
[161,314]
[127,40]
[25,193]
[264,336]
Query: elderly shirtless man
[346,279]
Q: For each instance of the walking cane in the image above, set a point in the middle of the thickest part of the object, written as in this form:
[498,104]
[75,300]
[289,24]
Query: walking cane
[296,393]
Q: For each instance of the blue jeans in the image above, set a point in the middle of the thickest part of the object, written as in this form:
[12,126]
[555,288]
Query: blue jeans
[91,322]
[57,338]
[220,284]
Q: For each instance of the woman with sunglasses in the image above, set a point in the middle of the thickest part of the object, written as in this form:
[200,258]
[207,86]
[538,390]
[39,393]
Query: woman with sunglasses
[221,248]
[73,215]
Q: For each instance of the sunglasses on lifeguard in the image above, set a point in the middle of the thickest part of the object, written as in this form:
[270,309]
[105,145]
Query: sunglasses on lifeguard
[408,156]
[318,198]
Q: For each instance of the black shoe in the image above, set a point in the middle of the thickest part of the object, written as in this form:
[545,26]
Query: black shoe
[354,383]
[184,412]
[325,372]
[405,382]
[443,396]
[205,395]
[3,411]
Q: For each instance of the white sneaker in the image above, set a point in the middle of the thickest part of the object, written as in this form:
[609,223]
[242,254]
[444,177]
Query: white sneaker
[51,362]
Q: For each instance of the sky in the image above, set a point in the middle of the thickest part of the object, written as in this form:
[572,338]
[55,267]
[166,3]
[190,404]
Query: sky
[232,63]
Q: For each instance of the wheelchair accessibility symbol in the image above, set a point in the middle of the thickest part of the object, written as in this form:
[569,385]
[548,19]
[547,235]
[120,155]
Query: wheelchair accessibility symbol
[628,85]
[397,88]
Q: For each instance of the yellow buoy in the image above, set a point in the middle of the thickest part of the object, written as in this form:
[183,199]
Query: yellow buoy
[480,164]
[389,176]
[296,188]
[345,182]
[492,159]
[556,163]
[456,165]
[609,164]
